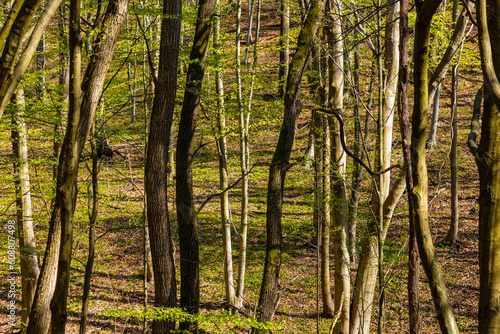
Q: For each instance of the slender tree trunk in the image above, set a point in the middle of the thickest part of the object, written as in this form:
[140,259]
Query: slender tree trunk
[284,42]
[10,76]
[157,167]
[280,164]
[325,215]
[92,219]
[430,262]
[339,193]
[223,173]
[186,213]
[404,120]
[80,118]
[27,244]
[451,237]
[487,156]
[366,279]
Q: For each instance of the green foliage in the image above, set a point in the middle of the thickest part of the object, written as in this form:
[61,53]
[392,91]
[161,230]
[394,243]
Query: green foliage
[220,321]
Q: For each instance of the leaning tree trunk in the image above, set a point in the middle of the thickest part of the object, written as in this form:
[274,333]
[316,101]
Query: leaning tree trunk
[10,76]
[80,119]
[186,213]
[157,166]
[430,262]
[27,244]
[280,164]
[487,156]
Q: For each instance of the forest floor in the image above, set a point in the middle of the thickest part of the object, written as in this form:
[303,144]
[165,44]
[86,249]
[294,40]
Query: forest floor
[117,283]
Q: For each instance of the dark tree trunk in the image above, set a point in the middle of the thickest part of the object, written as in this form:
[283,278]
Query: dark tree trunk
[280,164]
[186,213]
[404,119]
[157,166]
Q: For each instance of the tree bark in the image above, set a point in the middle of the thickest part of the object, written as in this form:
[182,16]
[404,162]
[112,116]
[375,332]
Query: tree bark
[83,104]
[404,121]
[280,164]
[157,166]
[430,262]
[27,243]
[487,156]
[186,213]
[10,76]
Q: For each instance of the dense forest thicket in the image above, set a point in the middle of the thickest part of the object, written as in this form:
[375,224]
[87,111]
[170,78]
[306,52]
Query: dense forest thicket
[310,166]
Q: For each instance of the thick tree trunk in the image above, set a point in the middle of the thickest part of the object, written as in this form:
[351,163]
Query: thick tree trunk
[80,119]
[487,156]
[186,213]
[27,244]
[280,164]
[157,167]
[430,262]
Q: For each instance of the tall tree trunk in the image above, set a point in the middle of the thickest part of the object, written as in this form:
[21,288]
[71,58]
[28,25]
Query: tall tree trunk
[80,119]
[223,174]
[186,213]
[157,167]
[338,157]
[451,237]
[404,121]
[92,222]
[430,262]
[27,244]
[325,214]
[487,156]
[280,164]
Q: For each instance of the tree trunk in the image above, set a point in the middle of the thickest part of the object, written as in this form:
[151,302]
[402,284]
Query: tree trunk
[487,156]
[223,173]
[284,41]
[451,237]
[80,119]
[338,157]
[280,164]
[404,121]
[157,167]
[10,76]
[366,279]
[186,213]
[430,262]
[27,244]
[92,222]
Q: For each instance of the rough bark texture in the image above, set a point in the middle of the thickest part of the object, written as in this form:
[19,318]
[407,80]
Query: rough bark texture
[186,213]
[487,156]
[280,164]
[80,120]
[430,262]
[157,167]
[404,121]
